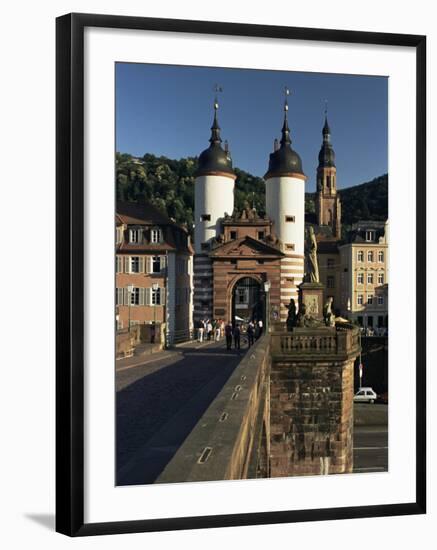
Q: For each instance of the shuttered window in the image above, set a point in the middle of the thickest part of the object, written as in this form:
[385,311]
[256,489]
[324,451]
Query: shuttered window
[134,264]
[157,297]
[155,236]
[119,301]
[156,264]
[135,236]
[118,264]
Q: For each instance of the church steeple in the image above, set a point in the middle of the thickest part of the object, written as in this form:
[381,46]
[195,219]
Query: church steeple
[328,207]
[327,154]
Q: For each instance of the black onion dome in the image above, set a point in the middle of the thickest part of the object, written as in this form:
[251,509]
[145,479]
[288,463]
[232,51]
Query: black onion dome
[284,160]
[215,158]
[327,154]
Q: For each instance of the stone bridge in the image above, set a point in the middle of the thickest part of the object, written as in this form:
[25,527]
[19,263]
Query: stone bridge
[287,409]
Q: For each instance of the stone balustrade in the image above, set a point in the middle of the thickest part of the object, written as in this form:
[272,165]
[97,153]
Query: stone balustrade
[341,341]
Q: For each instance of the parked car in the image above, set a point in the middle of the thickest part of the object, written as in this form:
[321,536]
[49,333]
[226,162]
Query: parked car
[365,395]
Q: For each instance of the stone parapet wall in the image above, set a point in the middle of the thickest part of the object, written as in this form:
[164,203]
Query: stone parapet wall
[311,401]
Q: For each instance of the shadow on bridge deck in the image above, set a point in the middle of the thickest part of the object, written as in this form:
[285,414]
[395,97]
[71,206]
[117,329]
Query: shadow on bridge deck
[159,403]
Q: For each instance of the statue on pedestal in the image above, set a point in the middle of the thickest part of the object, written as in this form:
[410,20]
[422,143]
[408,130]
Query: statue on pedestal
[328,314]
[301,316]
[313,264]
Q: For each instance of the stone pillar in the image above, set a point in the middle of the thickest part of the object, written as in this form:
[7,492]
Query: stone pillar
[311,396]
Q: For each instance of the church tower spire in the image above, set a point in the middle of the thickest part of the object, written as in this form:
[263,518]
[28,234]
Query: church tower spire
[328,206]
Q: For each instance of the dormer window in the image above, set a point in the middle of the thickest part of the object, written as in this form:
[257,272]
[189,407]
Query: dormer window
[135,236]
[233,235]
[370,236]
[155,236]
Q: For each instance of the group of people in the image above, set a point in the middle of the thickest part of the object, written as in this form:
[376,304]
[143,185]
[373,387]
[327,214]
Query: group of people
[253,331]
[216,329]
[208,329]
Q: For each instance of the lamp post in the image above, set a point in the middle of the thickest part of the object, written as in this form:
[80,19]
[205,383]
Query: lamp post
[155,287]
[360,364]
[267,291]
[130,289]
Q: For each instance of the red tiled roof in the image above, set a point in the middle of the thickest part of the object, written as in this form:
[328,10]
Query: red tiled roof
[174,236]
[141,213]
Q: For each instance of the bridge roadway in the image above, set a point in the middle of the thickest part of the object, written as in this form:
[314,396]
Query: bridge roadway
[160,398]
[370,438]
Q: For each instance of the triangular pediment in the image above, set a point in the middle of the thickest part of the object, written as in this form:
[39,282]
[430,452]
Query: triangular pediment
[246,247]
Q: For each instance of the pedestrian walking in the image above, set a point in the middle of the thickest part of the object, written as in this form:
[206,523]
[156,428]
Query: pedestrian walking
[228,334]
[250,334]
[209,329]
[260,328]
[217,330]
[200,330]
[237,337]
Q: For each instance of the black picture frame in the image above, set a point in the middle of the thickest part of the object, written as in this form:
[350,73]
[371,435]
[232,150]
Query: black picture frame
[70,273]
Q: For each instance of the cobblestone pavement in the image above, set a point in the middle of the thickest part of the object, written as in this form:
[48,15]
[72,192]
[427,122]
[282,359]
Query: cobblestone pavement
[159,401]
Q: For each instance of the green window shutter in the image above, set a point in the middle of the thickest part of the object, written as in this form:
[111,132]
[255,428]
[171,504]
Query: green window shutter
[126,296]
[162,292]
[126,264]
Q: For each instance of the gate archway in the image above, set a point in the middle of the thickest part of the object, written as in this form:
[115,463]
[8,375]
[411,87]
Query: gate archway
[248,301]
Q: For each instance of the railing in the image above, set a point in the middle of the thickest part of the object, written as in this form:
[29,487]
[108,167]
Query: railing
[342,339]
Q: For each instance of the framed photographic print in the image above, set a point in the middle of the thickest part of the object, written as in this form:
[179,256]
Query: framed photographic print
[240,274]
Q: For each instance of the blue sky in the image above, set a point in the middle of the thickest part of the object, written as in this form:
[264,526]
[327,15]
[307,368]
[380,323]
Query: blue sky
[167,110]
